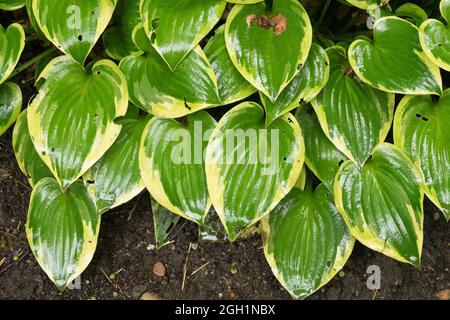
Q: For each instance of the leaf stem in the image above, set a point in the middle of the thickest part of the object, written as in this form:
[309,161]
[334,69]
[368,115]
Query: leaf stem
[269,5]
[32,61]
[324,12]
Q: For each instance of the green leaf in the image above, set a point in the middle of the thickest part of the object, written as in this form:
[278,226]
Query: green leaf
[321,156]
[306,241]
[172,164]
[12,42]
[365,4]
[117,39]
[32,18]
[231,85]
[305,86]
[435,38]
[394,61]
[251,167]
[62,230]
[212,230]
[71,120]
[73,26]
[156,89]
[421,130]
[27,157]
[11,5]
[269,56]
[412,10]
[116,179]
[10,105]
[382,203]
[176,27]
[163,222]
[244,1]
[353,115]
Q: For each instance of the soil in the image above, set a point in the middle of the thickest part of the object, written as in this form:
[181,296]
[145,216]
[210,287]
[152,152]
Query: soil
[125,244]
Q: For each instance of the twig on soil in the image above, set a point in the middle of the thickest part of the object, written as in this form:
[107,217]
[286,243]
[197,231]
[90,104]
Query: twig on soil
[130,214]
[198,269]
[2,261]
[375,294]
[107,277]
[185,267]
[14,263]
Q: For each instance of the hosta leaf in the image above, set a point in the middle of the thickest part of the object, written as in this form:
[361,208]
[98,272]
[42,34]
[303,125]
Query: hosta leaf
[172,164]
[232,86]
[251,167]
[244,1]
[321,156]
[353,115]
[365,4]
[176,27]
[413,11]
[271,55]
[305,86]
[116,179]
[11,5]
[27,157]
[71,120]
[166,94]
[10,105]
[12,42]
[73,26]
[306,241]
[117,39]
[32,18]
[382,203]
[212,230]
[62,229]
[421,130]
[395,61]
[435,38]
[163,222]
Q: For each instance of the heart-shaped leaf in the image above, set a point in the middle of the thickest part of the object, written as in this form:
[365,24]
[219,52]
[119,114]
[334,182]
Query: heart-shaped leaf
[395,61]
[172,164]
[306,241]
[269,48]
[176,27]
[11,5]
[28,159]
[71,120]
[116,179]
[232,86]
[10,105]
[73,26]
[353,115]
[156,89]
[382,203]
[251,167]
[435,38]
[62,229]
[321,156]
[12,42]
[117,39]
[305,86]
[421,130]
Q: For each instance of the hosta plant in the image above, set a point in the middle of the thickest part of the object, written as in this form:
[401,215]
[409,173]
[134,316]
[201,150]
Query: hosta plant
[282,117]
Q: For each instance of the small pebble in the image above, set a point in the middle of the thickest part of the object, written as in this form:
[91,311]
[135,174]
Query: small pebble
[436,216]
[159,269]
[443,294]
[150,296]
[234,268]
[150,247]
[115,294]
[220,295]
[341,274]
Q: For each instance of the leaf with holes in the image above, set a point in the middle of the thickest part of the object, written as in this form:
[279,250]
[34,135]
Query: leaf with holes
[305,86]
[251,167]
[116,179]
[176,27]
[166,94]
[421,130]
[306,241]
[71,120]
[278,41]
[435,38]
[12,42]
[10,105]
[395,61]
[172,164]
[62,229]
[353,115]
[382,203]
[73,26]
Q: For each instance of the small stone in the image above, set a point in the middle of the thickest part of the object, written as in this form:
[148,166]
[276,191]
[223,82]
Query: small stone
[436,216]
[87,282]
[159,269]
[115,294]
[233,295]
[138,290]
[150,247]
[149,296]
[443,294]
[234,268]
[220,295]
[341,274]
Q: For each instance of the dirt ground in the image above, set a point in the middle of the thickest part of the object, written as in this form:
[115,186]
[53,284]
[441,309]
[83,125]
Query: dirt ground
[229,271]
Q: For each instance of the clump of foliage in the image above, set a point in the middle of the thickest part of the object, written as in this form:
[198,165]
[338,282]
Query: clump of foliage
[322,84]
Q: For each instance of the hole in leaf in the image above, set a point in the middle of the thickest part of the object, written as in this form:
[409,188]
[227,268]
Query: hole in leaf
[80,37]
[278,22]
[186,104]
[421,117]
[90,181]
